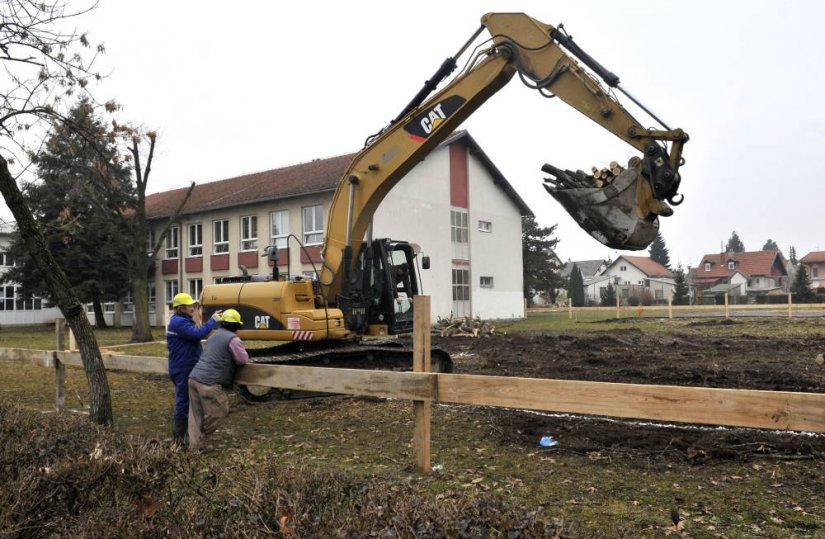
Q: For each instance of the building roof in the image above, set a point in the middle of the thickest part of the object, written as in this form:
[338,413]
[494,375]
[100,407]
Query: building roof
[748,263]
[647,265]
[589,268]
[317,176]
[813,257]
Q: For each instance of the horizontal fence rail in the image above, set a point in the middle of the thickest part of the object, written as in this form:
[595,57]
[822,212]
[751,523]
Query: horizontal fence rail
[714,406]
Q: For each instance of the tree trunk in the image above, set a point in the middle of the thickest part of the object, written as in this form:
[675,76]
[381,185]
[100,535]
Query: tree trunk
[100,318]
[141,327]
[100,399]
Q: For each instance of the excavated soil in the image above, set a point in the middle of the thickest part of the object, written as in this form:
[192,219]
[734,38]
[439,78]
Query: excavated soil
[631,355]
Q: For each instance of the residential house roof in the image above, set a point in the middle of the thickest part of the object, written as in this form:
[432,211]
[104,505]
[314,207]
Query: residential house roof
[814,257]
[646,265]
[749,263]
[588,268]
[317,176]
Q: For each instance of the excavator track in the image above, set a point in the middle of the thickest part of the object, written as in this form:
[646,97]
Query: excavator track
[369,355]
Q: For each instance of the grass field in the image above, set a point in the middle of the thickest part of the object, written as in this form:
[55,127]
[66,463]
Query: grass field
[605,493]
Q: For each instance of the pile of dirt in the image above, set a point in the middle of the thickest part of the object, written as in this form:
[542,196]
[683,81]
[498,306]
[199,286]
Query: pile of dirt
[631,355]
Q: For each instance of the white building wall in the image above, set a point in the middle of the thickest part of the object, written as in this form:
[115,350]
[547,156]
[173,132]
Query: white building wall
[417,210]
[497,253]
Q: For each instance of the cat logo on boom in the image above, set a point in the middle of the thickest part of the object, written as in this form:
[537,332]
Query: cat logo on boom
[422,125]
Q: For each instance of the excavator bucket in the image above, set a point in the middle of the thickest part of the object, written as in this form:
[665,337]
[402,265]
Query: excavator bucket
[616,207]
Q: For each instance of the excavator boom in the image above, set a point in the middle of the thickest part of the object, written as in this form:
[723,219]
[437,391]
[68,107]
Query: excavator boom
[623,215]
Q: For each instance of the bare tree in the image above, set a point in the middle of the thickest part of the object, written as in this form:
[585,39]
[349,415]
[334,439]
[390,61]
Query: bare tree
[141,256]
[44,65]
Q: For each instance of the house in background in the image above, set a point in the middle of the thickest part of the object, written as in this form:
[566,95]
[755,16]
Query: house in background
[638,277]
[14,308]
[744,276]
[591,271]
[455,204]
[814,264]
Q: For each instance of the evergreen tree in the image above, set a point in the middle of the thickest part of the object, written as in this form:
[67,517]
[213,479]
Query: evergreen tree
[575,287]
[770,245]
[608,295]
[541,273]
[87,243]
[681,293]
[735,245]
[658,251]
[801,287]
[792,255]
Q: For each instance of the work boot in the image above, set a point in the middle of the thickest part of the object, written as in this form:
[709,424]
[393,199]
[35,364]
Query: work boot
[180,430]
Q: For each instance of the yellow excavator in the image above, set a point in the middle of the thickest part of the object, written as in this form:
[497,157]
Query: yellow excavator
[360,279]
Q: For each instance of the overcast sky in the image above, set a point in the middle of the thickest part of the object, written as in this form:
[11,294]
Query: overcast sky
[261,85]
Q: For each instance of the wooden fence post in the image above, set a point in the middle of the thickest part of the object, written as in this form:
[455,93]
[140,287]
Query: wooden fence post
[570,308]
[790,308]
[727,312]
[670,308]
[618,305]
[422,410]
[59,367]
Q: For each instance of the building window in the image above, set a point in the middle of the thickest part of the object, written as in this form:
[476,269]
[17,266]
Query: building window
[195,288]
[172,243]
[249,233]
[7,297]
[128,304]
[152,296]
[196,240]
[485,226]
[461,285]
[6,260]
[171,291]
[707,266]
[815,270]
[220,236]
[459,231]
[731,265]
[622,268]
[313,225]
[486,282]
[279,226]
[151,240]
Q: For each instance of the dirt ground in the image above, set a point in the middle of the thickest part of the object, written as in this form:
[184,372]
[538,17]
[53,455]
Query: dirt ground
[690,357]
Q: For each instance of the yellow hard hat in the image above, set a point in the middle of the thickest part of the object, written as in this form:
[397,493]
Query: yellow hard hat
[182,299]
[231,315]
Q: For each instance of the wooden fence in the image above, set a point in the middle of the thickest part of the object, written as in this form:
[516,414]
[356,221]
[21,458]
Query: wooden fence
[712,406]
[726,310]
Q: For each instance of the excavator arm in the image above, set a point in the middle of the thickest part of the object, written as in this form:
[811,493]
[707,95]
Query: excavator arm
[622,214]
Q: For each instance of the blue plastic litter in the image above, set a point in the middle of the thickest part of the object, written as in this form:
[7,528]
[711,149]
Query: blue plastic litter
[548,441]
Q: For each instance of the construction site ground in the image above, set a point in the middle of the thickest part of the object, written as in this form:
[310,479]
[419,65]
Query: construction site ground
[605,477]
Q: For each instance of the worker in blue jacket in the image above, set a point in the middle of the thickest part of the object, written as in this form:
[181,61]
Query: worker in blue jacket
[183,340]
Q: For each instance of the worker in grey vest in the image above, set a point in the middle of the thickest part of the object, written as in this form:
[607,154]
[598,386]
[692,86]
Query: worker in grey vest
[208,401]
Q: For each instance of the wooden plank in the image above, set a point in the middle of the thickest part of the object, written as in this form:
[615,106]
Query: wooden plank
[715,406]
[422,409]
[389,384]
[59,367]
[24,356]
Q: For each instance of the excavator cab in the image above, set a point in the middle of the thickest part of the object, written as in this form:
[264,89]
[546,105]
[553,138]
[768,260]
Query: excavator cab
[377,294]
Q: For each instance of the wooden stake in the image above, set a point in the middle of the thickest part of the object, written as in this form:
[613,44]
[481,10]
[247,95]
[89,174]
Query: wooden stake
[670,308]
[727,312]
[59,367]
[72,340]
[422,409]
[790,308]
[618,305]
[570,308]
